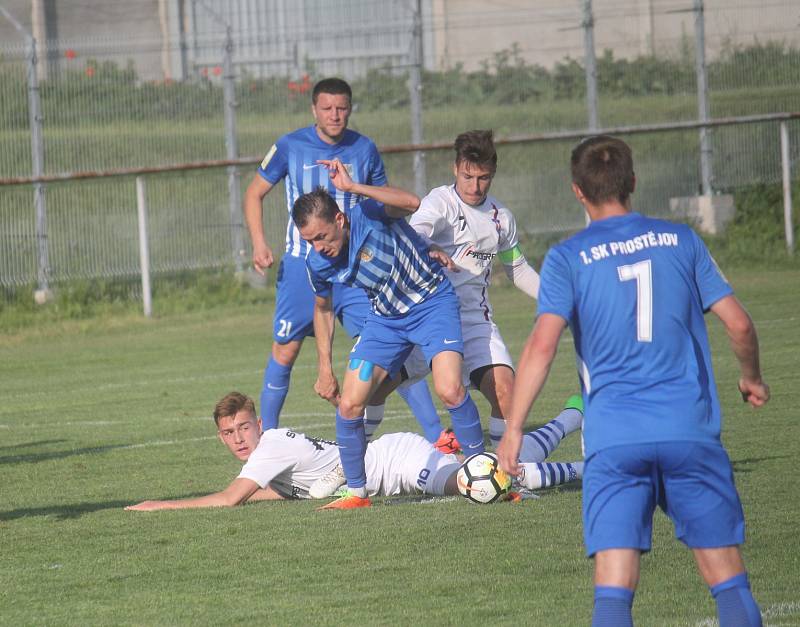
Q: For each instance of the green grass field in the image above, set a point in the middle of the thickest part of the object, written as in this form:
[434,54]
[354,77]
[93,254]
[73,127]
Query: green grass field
[98,414]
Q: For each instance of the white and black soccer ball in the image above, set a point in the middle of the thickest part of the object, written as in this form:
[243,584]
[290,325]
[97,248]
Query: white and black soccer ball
[481,480]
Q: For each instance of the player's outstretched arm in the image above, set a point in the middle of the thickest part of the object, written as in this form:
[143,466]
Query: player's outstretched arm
[534,366]
[253,198]
[238,492]
[326,385]
[400,203]
[744,341]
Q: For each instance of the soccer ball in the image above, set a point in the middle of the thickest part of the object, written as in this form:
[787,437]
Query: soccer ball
[481,480]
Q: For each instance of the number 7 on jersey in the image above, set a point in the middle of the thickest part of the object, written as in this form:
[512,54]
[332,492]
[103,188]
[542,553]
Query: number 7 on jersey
[641,272]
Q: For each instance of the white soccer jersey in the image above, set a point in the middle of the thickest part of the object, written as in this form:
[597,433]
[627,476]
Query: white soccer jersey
[402,463]
[289,462]
[472,236]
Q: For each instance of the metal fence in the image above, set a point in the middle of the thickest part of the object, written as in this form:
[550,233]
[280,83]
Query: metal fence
[232,77]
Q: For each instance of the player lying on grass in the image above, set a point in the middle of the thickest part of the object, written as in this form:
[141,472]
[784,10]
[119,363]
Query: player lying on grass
[284,464]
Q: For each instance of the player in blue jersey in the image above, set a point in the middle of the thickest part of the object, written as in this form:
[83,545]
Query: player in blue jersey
[294,159]
[633,291]
[413,304]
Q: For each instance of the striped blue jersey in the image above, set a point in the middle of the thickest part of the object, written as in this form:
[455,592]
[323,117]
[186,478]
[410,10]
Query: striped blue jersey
[294,159]
[634,291]
[385,257]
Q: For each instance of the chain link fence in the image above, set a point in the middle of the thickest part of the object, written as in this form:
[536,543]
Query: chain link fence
[111,101]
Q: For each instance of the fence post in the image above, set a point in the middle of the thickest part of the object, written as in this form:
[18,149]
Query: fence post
[786,166]
[144,248]
[232,152]
[415,96]
[35,120]
[591,64]
[706,170]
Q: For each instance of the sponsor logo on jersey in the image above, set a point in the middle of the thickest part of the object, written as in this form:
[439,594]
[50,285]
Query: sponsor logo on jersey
[366,254]
[478,255]
[269,156]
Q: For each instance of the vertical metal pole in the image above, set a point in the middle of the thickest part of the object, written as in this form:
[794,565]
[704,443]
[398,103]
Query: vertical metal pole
[786,166]
[591,64]
[195,47]
[35,120]
[415,96]
[144,250]
[232,152]
[706,172]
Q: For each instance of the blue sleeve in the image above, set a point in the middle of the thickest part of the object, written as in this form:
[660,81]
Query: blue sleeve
[275,165]
[710,281]
[373,209]
[377,173]
[321,286]
[556,294]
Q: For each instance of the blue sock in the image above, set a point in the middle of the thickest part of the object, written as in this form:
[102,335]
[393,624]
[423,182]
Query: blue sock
[273,392]
[467,426]
[612,607]
[736,606]
[352,448]
[418,397]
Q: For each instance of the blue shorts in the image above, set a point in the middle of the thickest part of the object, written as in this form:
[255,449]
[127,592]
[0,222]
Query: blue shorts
[294,301]
[691,481]
[434,325]
[351,306]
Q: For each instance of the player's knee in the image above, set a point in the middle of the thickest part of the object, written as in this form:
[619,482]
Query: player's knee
[285,354]
[350,408]
[451,392]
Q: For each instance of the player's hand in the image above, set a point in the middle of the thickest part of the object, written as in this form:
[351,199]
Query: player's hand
[754,392]
[508,451]
[146,506]
[262,257]
[328,388]
[338,174]
[437,254]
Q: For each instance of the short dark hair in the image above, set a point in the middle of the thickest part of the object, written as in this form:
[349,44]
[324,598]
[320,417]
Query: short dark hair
[476,147]
[331,85]
[318,203]
[602,167]
[231,404]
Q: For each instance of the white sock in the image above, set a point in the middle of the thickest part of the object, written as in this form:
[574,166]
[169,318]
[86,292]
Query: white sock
[549,474]
[497,427]
[373,416]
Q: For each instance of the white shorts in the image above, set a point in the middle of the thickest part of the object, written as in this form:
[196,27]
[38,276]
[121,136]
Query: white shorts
[483,344]
[403,463]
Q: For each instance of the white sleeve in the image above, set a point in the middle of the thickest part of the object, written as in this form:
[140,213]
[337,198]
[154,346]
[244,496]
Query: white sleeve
[430,218]
[523,276]
[517,268]
[270,458]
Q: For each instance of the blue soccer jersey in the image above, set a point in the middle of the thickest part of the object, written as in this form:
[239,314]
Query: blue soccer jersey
[633,291]
[294,158]
[385,257]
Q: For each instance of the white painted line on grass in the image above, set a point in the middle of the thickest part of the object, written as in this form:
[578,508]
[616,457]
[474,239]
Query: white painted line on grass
[776,610]
[213,437]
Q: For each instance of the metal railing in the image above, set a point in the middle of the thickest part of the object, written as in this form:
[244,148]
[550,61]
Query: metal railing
[175,222]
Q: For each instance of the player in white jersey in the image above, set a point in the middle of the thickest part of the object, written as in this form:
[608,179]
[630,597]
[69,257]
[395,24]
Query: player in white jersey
[285,464]
[474,228]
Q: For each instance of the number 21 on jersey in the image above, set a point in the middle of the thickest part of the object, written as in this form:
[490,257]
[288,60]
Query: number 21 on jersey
[642,274]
